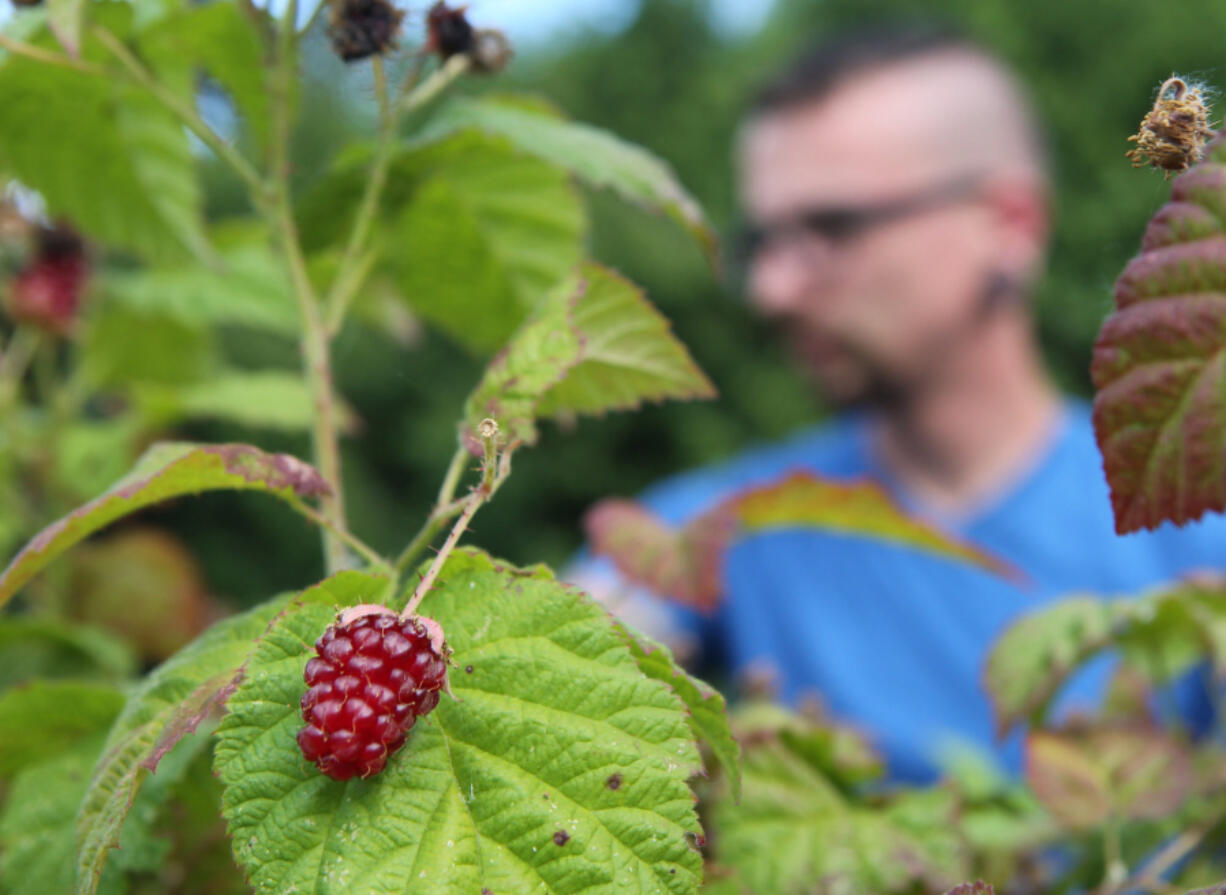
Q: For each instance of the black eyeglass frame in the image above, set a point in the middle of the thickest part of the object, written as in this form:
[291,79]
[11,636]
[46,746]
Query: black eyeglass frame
[838,224]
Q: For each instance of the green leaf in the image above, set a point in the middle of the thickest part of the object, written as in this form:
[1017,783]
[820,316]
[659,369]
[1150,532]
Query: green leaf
[1035,654]
[1159,363]
[794,832]
[270,399]
[537,358]
[486,234]
[596,156]
[44,718]
[708,718]
[65,18]
[165,470]
[249,289]
[168,705]
[37,845]
[101,152]
[629,354]
[122,346]
[219,38]
[508,786]
[39,647]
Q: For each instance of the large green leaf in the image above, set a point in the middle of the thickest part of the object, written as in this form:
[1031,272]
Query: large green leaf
[169,704]
[1160,362]
[248,289]
[794,832]
[219,38]
[45,717]
[166,470]
[484,237]
[708,713]
[101,152]
[556,767]
[629,354]
[269,399]
[597,156]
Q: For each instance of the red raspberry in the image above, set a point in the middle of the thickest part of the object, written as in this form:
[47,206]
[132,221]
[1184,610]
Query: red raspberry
[374,675]
[47,292]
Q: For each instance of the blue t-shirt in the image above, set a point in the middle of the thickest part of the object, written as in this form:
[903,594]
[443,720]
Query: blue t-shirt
[894,640]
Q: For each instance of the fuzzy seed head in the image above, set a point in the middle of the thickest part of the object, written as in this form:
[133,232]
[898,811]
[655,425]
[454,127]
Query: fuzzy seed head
[1174,132]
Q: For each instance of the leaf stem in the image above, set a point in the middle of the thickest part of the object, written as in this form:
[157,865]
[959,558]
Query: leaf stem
[317,368]
[446,508]
[1149,877]
[495,468]
[351,272]
[356,544]
[184,111]
[49,57]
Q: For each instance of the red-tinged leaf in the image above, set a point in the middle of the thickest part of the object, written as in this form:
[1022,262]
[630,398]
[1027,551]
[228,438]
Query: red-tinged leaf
[1085,776]
[684,564]
[859,508]
[165,471]
[978,887]
[1159,363]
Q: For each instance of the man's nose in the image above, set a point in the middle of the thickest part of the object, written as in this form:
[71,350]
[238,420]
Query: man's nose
[780,282]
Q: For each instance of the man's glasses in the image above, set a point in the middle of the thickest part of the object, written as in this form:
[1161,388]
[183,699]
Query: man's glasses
[838,224]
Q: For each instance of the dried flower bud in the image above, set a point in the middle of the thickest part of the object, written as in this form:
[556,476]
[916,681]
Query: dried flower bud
[448,32]
[1174,132]
[361,28]
[491,51]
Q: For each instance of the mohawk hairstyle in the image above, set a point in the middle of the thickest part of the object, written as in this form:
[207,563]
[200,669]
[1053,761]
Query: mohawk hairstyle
[821,68]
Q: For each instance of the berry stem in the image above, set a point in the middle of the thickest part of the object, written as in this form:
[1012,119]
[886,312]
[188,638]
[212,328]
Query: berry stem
[446,508]
[475,499]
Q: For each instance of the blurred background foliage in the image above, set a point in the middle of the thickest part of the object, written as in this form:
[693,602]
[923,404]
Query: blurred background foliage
[676,84]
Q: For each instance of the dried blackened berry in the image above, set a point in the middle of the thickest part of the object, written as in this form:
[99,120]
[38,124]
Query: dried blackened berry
[374,675]
[448,31]
[27,2]
[361,28]
[491,51]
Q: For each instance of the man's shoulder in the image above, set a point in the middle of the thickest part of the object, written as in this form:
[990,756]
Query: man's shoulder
[834,448]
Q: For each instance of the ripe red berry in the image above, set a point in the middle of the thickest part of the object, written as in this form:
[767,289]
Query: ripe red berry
[47,292]
[374,675]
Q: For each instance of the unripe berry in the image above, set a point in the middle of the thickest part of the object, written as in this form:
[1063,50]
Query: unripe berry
[374,674]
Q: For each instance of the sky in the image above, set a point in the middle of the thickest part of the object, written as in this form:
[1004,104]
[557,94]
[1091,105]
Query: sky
[535,22]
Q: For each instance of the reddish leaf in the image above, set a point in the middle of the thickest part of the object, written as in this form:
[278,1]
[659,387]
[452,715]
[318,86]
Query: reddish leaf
[684,564]
[1086,775]
[1159,365]
[978,887]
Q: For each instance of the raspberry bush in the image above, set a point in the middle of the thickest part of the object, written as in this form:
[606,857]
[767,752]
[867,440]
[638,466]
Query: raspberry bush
[440,721]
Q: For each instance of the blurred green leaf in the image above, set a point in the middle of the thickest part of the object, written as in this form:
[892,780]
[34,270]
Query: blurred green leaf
[122,346]
[597,156]
[270,399]
[44,718]
[43,648]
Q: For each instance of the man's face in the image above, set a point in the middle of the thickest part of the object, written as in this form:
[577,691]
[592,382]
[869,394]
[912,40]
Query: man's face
[868,316]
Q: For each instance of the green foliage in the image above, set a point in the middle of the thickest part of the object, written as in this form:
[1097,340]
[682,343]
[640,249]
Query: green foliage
[507,785]
[33,648]
[44,718]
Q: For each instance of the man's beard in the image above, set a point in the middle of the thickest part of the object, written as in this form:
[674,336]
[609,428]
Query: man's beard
[853,379]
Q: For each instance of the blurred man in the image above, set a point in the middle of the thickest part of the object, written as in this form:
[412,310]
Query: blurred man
[896,191]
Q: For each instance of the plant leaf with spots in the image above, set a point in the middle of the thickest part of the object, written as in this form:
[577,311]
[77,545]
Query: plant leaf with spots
[503,788]
[166,470]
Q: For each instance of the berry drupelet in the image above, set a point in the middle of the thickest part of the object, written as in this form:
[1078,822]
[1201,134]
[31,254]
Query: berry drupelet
[374,675]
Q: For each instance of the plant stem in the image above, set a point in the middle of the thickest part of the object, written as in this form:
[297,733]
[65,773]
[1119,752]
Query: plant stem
[15,361]
[1149,877]
[184,112]
[445,509]
[351,272]
[495,468]
[49,57]
[314,340]
[356,544]
[439,81]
